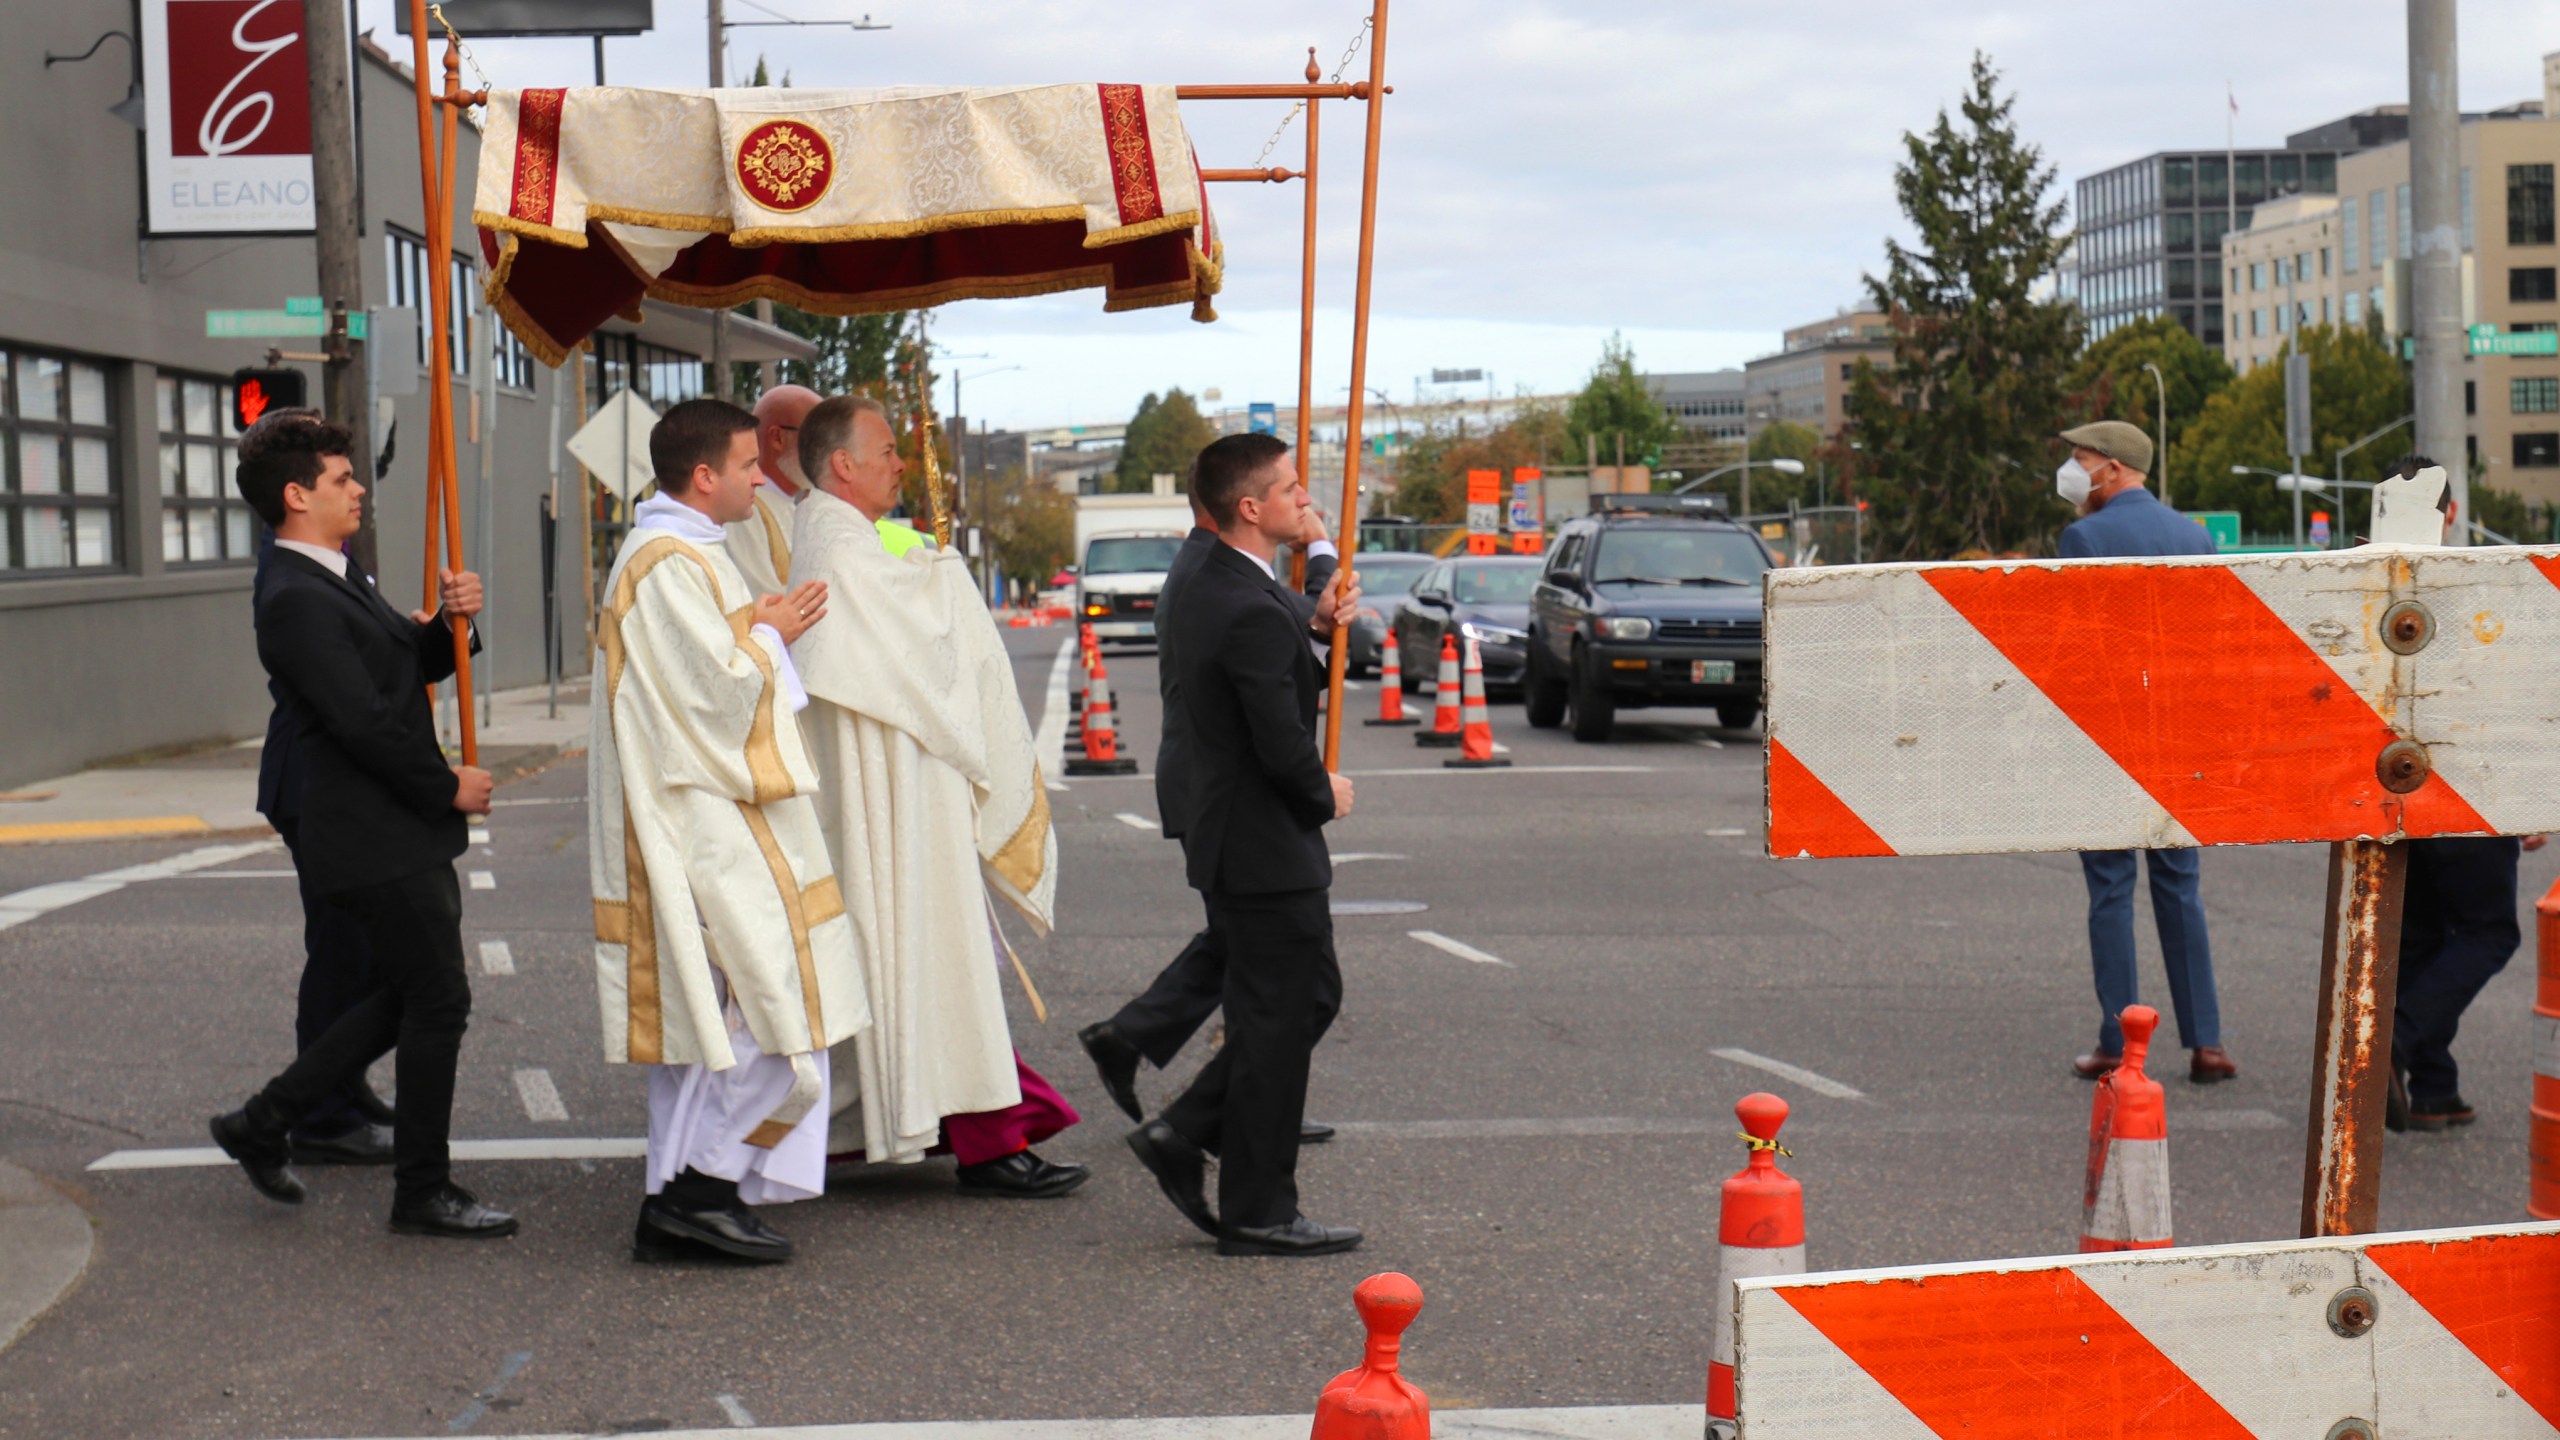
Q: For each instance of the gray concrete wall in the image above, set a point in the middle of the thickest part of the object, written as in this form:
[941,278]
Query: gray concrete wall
[105,665]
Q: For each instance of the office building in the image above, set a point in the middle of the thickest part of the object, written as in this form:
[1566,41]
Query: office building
[1708,404]
[1807,382]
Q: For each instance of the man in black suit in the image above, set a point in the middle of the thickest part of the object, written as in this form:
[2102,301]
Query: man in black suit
[1258,797]
[353,1126]
[1156,1024]
[382,818]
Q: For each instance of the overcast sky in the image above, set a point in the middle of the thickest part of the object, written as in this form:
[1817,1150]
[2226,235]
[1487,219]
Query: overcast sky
[1697,173]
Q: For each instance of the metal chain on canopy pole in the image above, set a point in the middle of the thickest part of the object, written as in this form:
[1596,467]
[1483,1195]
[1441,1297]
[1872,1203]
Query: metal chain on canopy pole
[1349,517]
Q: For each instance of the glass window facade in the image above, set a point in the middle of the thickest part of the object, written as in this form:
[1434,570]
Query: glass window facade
[2348,236]
[2400,221]
[60,504]
[409,287]
[203,520]
[2529,215]
[2534,395]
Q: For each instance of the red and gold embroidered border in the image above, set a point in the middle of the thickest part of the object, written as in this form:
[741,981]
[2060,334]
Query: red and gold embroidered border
[537,155]
[1133,155]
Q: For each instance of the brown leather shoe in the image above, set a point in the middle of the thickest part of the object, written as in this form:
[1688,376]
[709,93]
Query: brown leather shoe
[2212,1063]
[2096,1065]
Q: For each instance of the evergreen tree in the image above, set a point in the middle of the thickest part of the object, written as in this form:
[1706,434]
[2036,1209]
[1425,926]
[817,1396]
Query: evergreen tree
[1163,436]
[1955,434]
[1616,405]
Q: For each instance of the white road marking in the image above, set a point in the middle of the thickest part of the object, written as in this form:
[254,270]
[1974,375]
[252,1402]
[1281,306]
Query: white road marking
[496,959]
[541,1098]
[1049,746]
[1501,749]
[1728,832]
[1348,856]
[1818,1084]
[1707,742]
[1514,770]
[557,1148]
[237,875]
[483,880]
[1459,948]
[1584,1422]
[544,800]
[738,1417]
[22,906]
[1136,822]
[478,835]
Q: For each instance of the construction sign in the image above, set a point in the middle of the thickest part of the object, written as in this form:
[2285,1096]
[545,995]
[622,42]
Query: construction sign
[1528,512]
[1484,512]
[2380,693]
[2433,1335]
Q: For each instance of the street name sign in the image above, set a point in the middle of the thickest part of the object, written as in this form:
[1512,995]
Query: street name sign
[2380,693]
[274,324]
[2428,1335]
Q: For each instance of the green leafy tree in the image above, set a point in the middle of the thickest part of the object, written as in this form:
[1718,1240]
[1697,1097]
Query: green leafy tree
[2110,384]
[1615,405]
[1956,430]
[2357,386]
[1431,475]
[1032,526]
[854,351]
[1163,437]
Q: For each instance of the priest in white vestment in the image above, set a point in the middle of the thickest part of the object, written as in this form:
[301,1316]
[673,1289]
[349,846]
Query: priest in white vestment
[930,798]
[724,959]
[760,544]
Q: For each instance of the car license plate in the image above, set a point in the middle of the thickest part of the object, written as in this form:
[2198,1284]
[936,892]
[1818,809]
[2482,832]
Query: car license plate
[1710,672]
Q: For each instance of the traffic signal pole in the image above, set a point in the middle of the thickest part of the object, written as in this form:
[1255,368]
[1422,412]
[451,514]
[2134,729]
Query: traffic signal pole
[336,207]
[2435,266]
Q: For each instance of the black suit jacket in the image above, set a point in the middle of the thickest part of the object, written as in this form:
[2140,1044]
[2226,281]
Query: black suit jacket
[280,759]
[1247,685]
[377,797]
[1173,739]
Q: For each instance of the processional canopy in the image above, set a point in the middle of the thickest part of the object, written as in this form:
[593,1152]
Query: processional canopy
[835,201]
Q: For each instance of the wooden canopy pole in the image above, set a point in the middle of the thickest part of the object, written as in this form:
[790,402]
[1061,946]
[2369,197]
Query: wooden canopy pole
[1306,317]
[1349,518]
[437,190]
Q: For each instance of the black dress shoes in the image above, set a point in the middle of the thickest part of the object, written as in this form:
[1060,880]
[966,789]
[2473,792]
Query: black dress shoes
[371,1106]
[668,1228]
[261,1155]
[1311,1133]
[1021,1176]
[452,1213]
[1301,1236]
[1180,1169]
[1117,1059]
[363,1143]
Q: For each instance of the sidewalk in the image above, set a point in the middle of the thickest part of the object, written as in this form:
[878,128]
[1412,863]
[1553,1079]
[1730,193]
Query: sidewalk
[215,789]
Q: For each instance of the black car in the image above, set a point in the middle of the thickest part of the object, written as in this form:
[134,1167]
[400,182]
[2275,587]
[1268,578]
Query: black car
[1652,601]
[1480,597]
[1385,578]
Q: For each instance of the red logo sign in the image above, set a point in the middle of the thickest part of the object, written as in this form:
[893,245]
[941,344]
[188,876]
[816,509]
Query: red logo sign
[238,81]
[785,166]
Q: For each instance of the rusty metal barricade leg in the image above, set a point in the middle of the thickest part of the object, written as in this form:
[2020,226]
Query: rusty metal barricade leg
[2351,1064]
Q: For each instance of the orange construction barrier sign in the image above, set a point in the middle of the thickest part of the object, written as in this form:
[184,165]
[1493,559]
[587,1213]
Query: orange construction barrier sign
[1484,512]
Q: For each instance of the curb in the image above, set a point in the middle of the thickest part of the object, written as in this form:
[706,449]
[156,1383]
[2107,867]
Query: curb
[45,1245]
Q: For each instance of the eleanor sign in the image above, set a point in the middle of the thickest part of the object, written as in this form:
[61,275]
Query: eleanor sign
[227,140]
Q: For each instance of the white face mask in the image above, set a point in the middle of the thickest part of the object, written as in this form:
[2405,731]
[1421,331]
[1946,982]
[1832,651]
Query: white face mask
[2072,482]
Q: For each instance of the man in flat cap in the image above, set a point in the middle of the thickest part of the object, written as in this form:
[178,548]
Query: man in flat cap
[2103,479]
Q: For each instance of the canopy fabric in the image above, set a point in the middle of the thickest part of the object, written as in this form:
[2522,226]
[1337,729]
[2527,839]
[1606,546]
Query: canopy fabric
[835,201]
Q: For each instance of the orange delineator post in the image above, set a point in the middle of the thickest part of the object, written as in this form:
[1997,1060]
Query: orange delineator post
[2125,1203]
[1475,735]
[1445,720]
[1391,686]
[2542,1143]
[1759,1231]
[1372,1400]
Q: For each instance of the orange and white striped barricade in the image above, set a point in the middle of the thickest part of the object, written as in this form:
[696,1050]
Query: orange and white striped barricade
[2542,1141]
[2125,1203]
[1101,738]
[1759,1232]
[1391,686]
[1446,724]
[2361,697]
[2442,1334]
[1475,721]
[1372,1400]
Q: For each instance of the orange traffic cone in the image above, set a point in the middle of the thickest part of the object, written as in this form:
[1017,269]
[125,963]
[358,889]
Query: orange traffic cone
[2125,1204]
[1475,734]
[1759,1232]
[1445,724]
[2542,1143]
[1101,743]
[1371,1400]
[1391,687]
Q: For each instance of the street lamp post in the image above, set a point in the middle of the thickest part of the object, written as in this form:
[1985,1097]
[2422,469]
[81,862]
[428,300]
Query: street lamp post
[2338,462]
[2160,422]
[960,455]
[1784,465]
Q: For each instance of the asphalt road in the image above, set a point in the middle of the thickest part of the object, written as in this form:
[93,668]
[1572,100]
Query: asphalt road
[1534,1123]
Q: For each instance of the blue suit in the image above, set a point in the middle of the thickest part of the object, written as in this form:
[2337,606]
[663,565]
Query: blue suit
[2133,523]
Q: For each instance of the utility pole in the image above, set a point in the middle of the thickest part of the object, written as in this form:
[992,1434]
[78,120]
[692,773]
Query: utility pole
[337,209]
[723,384]
[2435,267]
